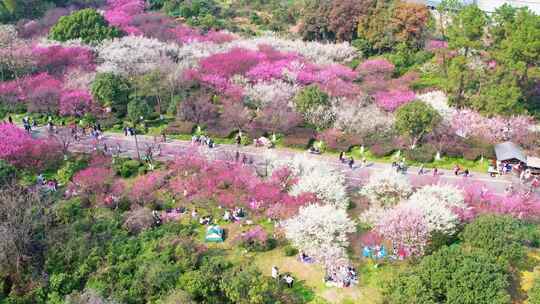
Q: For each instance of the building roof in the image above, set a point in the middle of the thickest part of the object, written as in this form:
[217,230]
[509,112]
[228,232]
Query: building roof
[508,150]
[533,162]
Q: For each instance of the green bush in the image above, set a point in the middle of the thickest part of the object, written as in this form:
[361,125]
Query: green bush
[127,167]
[451,275]
[534,292]
[66,172]
[112,91]
[311,97]
[87,25]
[499,236]
[7,172]
[424,154]
[290,250]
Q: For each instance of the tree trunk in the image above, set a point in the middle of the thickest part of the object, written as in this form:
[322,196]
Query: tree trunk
[137,145]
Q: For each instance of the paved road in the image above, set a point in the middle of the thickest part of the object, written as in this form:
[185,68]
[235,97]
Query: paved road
[173,148]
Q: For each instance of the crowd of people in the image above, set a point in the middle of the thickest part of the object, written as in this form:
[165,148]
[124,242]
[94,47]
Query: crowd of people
[203,140]
[340,276]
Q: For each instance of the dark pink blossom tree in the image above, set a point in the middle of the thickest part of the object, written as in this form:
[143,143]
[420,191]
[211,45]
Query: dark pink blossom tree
[76,103]
[56,59]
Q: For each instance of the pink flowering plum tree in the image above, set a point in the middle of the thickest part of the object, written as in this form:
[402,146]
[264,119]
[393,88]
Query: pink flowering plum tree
[393,99]
[379,68]
[468,123]
[236,116]
[22,151]
[406,229]
[92,181]
[76,103]
[56,59]
[145,187]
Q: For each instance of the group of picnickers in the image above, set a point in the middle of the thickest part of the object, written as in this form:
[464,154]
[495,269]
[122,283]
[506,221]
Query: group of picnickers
[340,275]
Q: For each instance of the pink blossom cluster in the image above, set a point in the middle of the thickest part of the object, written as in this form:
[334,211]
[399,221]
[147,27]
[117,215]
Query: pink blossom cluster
[378,68]
[120,13]
[393,99]
[232,184]
[186,34]
[406,228]
[468,123]
[76,103]
[21,150]
[92,180]
[129,16]
[45,93]
[268,64]
[483,199]
[145,187]
[56,59]
[311,73]
[434,45]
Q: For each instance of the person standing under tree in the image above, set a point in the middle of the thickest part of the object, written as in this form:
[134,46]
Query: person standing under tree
[289,280]
[275,272]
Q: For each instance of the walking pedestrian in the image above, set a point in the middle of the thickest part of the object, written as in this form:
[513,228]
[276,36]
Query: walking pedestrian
[341,156]
[351,162]
[435,171]
[10,119]
[421,170]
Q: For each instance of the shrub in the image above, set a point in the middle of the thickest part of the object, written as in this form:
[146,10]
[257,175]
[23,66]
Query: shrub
[138,220]
[127,168]
[472,153]
[112,91]
[424,154]
[382,150]
[219,131]
[499,236]
[256,239]
[300,138]
[290,250]
[66,172]
[451,275]
[87,25]
[310,97]
[181,127]
[7,172]
[534,292]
